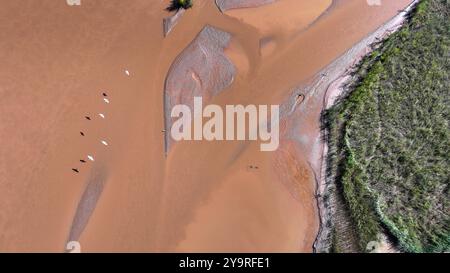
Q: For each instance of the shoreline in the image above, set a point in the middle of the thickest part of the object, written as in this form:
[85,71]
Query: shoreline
[348,62]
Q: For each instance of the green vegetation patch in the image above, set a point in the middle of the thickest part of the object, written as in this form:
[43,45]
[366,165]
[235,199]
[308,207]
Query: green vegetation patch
[390,140]
[180,4]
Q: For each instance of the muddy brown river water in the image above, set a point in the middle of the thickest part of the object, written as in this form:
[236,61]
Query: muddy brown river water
[57,60]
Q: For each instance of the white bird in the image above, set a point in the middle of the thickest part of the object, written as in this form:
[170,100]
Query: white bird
[90,157]
[104,143]
[127,72]
[101,115]
[106,100]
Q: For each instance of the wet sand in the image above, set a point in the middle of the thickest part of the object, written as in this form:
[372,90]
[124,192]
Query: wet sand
[56,62]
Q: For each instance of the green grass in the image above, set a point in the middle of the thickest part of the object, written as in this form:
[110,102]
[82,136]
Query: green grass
[390,140]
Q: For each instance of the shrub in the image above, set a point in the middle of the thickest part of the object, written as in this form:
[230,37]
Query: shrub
[179,4]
